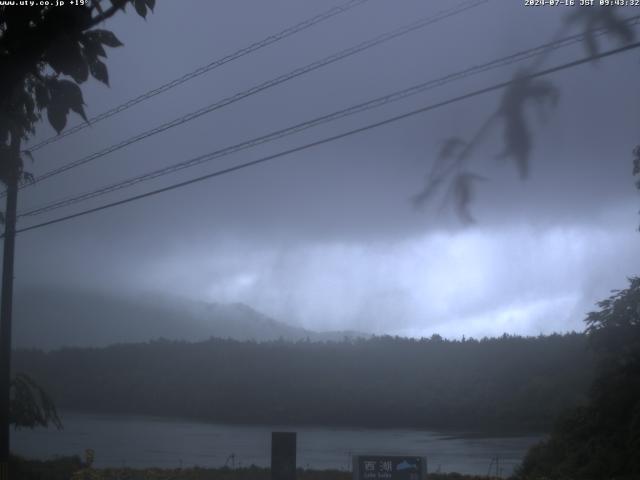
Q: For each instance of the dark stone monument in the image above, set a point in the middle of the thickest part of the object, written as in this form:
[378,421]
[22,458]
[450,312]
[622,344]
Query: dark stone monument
[283,455]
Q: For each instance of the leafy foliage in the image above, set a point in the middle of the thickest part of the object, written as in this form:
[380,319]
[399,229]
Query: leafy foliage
[463,189]
[46,53]
[517,137]
[10,167]
[63,96]
[30,405]
[511,114]
[451,149]
[601,440]
[614,330]
[141,6]
[600,17]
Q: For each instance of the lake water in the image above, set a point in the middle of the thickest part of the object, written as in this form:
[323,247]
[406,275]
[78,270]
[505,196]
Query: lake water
[147,441]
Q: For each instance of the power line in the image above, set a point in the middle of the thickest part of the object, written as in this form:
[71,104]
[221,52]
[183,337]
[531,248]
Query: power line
[464,6]
[271,39]
[377,102]
[333,138]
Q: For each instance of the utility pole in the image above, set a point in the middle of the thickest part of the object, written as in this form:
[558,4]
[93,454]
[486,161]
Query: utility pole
[12,165]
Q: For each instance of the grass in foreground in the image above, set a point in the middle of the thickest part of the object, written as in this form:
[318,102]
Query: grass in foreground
[72,468]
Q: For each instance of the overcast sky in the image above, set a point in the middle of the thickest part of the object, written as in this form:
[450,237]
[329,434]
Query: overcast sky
[327,238]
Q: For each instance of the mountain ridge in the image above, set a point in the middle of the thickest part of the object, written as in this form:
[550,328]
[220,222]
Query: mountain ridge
[50,318]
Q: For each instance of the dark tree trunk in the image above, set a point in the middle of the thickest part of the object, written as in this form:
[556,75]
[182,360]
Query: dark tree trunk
[6,307]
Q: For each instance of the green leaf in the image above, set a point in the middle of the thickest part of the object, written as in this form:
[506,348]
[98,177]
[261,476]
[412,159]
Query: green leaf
[65,57]
[517,134]
[636,161]
[65,96]
[57,115]
[28,104]
[141,7]
[92,45]
[79,69]
[28,178]
[42,95]
[463,191]
[56,55]
[72,95]
[29,154]
[594,19]
[106,38]
[99,71]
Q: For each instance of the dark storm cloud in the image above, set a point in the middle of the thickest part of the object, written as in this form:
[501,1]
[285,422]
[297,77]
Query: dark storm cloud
[327,237]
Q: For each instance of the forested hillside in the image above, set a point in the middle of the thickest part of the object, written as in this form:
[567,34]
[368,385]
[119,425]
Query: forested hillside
[502,384]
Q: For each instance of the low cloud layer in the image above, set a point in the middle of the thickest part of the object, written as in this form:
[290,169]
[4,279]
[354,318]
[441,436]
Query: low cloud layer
[474,282]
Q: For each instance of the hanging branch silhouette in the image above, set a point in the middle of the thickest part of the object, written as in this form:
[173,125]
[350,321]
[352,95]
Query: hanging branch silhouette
[31,406]
[517,133]
[511,117]
[594,19]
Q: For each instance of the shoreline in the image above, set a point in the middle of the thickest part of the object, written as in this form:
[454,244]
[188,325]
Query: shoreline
[64,468]
[447,433]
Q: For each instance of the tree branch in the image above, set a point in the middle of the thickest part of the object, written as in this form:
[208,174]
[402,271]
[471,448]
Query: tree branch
[108,13]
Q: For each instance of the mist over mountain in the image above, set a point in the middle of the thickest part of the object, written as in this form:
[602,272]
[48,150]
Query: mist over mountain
[49,318]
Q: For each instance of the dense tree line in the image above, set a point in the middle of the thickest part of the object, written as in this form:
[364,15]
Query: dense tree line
[507,383]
